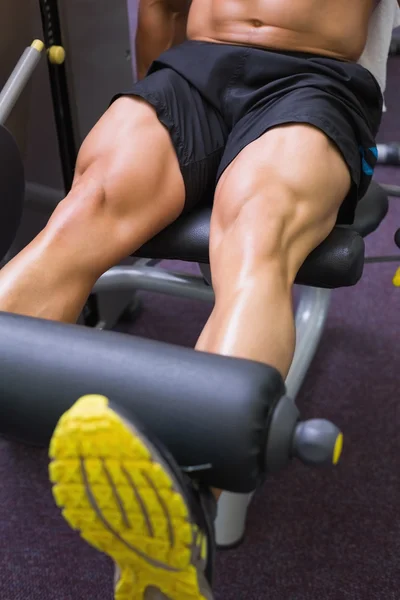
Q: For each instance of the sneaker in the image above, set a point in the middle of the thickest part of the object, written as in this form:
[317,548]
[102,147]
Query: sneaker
[129,499]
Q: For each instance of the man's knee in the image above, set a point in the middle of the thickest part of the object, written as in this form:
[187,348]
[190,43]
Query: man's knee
[80,216]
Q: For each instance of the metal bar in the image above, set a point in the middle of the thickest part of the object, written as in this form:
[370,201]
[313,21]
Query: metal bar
[382,259]
[389,154]
[147,262]
[64,9]
[391,190]
[311,315]
[154,280]
[63,113]
[91,313]
[310,321]
[230,523]
[395,44]
[59,90]
[19,78]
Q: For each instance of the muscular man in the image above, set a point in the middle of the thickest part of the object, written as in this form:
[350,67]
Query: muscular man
[265,107]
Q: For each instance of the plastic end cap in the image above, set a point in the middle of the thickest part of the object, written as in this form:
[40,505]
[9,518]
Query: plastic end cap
[338,449]
[56,55]
[38,45]
[396,279]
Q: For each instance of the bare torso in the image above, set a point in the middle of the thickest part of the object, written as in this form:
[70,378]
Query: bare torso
[336,28]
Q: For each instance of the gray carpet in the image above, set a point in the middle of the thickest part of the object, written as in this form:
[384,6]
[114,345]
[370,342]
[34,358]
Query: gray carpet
[311,535]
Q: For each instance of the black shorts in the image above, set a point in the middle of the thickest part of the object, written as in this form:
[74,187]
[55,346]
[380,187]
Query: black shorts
[215,99]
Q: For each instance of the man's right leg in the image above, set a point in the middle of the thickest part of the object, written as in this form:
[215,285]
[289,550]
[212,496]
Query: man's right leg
[128,186]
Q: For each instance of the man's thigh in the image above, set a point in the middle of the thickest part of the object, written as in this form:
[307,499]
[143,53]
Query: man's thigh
[285,190]
[15,35]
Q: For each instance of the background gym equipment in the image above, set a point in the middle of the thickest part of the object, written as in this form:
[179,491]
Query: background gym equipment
[395,45]
[389,154]
[12,184]
[63,116]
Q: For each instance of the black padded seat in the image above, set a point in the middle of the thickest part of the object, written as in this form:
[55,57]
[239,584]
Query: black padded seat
[12,186]
[337,262]
[371,211]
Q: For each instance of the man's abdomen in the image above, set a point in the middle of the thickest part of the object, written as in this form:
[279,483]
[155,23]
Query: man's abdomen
[337,28]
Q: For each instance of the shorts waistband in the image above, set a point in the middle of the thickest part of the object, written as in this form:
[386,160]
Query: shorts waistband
[283,52]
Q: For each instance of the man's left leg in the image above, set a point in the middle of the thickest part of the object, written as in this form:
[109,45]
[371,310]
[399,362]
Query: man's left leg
[275,203]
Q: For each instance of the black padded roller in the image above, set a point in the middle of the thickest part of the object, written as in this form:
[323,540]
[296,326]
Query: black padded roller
[206,409]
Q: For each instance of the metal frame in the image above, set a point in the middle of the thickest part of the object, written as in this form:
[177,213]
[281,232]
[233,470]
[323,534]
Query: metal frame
[391,190]
[63,116]
[311,314]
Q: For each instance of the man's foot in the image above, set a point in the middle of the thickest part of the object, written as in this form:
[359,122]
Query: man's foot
[128,499]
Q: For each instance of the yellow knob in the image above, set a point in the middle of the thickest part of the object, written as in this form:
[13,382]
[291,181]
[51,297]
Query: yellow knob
[396,278]
[56,55]
[337,451]
[38,45]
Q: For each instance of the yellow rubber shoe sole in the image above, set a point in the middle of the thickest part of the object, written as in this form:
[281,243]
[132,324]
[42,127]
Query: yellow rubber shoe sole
[115,488]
